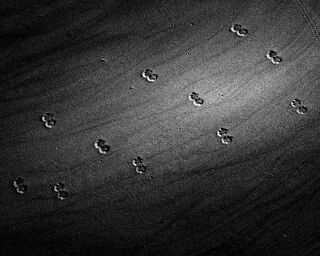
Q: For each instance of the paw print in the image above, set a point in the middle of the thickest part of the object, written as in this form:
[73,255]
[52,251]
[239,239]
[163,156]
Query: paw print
[149,75]
[20,185]
[60,190]
[239,30]
[197,101]
[273,57]
[102,147]
[48,120]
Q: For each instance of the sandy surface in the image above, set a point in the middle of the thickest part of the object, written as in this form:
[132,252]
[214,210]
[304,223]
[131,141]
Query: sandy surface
[83,63]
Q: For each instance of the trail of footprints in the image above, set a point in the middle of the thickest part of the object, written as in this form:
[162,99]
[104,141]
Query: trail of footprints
[139,164]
